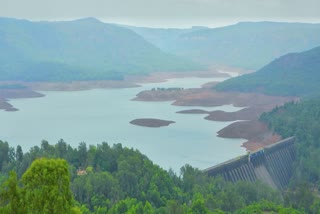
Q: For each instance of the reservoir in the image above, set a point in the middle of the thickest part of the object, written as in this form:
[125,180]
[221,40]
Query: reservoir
[103,115]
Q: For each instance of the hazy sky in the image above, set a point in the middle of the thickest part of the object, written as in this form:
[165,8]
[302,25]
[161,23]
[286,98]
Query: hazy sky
[165,13]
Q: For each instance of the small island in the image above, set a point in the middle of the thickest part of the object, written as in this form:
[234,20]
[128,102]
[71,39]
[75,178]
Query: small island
[193,111]
[150,122]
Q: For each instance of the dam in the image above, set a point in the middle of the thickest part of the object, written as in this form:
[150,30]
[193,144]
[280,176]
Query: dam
[272,165]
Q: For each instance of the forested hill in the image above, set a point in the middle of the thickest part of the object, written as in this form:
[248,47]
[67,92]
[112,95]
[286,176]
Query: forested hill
[84,49]
[295,74]
[248,44]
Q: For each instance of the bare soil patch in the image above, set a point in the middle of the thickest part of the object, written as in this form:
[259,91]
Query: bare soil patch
[256,132]
[6,94]
[254,105]
[193,111]
[79,85]
[248,127]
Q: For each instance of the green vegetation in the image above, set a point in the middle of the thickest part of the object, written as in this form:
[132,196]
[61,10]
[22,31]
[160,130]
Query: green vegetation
[295,74]
[44,188]
[114,180]
[301,120]
[267,207]
[85,49]
[247,45]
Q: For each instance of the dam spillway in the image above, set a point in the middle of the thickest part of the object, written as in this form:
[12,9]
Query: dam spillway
[272,165]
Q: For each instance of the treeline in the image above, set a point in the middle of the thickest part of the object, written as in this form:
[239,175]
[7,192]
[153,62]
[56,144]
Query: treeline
[115,179]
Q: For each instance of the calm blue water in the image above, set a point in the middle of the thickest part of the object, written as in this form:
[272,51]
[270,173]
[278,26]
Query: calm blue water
[99,115]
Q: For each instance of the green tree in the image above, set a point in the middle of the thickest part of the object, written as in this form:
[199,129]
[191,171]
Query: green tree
[19,154]
[4,154]
[46,187]
[11,196]
[198,207]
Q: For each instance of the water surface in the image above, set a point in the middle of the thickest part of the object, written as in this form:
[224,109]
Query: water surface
[103,115]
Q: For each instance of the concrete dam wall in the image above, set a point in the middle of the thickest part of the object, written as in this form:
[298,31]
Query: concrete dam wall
[272,165]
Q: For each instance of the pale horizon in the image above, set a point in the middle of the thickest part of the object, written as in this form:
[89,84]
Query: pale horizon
[165,13]
[168,26]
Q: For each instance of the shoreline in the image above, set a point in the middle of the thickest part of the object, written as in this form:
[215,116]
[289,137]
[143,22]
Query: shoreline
[7,94]
[245,122]
[31,89]
[253,104]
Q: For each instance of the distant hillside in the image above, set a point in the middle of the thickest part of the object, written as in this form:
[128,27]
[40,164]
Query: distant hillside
[85,49]
[248,45]
[296,74]
[163,38]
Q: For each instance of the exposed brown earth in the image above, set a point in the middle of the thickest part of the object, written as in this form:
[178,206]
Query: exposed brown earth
[161,95]
[209,97]
[150,122]
[256,132]
[6,94]
[193,111]
[128,82]
[163,76]
[251,129]
[79,85]
[6,106]
[243,114]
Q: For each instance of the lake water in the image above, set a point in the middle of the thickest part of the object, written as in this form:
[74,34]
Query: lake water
[103,115]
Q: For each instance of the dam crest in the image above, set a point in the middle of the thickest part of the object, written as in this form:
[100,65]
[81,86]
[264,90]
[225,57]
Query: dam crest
[272,165]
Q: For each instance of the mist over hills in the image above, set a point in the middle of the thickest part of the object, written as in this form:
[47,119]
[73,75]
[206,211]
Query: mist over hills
[84,49]
[294,74]
[247,45]
[87,49]
[163,38]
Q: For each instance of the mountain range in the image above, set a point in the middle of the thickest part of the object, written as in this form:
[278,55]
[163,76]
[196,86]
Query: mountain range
[248,45]
[88,49]
[84,49]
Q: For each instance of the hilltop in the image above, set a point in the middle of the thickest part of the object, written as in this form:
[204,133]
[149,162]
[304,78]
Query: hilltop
[84,49]
[248,45]
[294,74]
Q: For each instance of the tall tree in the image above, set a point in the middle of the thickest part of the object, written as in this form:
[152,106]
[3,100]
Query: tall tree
[19,154]
[47,186]
[11,196]
[4,154]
